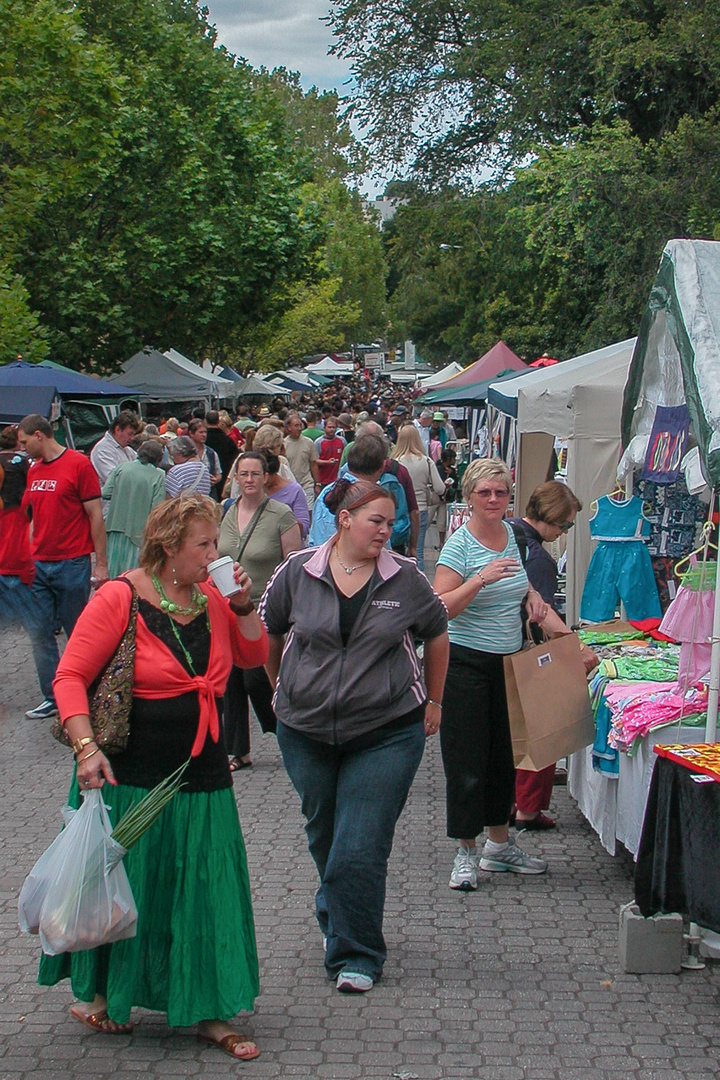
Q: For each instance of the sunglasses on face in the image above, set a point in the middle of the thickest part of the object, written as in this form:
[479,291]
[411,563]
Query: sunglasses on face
[487,493]
[566,526]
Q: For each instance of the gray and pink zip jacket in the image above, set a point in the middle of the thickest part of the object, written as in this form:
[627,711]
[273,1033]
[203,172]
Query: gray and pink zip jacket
[334,692]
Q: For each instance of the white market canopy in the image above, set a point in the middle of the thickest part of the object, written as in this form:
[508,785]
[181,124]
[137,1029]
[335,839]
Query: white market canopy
[428,381]
[540,399]
[579,400]
[328,366]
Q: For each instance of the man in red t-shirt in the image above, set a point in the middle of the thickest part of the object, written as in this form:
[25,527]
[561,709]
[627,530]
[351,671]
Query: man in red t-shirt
[63,501]
[329,448]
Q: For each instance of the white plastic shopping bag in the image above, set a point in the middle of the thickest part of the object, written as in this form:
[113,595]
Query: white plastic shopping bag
[33,892]
[80,886]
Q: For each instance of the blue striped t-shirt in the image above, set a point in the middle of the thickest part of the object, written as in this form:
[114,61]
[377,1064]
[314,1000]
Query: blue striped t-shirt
[491,622]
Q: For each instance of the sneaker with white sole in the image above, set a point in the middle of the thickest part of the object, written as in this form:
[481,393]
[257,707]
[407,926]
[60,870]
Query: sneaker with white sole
[43,711]
[513,859]
[465,868]
[354,982]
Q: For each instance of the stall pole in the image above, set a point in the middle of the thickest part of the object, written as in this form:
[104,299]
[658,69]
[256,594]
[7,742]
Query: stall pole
[711,727]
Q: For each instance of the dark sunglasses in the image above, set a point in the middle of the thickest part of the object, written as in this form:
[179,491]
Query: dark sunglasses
[566,526]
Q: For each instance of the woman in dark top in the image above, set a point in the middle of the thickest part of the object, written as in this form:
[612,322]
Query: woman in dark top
[550,512]
[194,955]
[353,710]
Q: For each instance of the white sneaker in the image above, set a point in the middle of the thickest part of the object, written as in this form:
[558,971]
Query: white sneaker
[354,982]
[513,859]
[43,711]
[465,869]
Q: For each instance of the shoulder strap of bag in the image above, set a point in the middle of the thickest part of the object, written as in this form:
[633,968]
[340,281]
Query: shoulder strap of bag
[521,540]
[251,528]
[196,481]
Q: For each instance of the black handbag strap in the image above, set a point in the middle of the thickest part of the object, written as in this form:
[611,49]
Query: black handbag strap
[251,528]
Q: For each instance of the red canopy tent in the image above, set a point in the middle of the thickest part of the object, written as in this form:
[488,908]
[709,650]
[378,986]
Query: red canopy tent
[499,358]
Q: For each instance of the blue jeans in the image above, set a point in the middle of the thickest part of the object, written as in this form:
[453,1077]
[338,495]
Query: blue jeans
[352,796]
[59,593]
[16,606]
[421,539]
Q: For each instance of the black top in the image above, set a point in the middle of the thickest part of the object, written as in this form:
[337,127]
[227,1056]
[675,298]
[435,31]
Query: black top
[350,608]
[540,566]
[162,731]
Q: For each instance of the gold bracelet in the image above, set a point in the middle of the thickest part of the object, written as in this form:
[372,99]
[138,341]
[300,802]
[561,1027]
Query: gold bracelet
[80,743]
[484,582]
[87,756]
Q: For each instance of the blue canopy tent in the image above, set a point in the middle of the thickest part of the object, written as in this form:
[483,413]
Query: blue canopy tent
[19,401]
[88,404]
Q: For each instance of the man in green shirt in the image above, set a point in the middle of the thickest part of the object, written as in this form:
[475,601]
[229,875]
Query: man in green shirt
[312,431]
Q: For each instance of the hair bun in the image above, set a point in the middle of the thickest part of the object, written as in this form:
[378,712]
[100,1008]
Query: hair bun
[337,493]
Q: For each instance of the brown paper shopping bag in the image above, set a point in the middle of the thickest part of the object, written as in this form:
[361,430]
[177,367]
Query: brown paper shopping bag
[548,702]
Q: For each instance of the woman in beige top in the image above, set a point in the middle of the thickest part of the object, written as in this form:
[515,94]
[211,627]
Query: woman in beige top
[423,472]
[259,532]
[267,437]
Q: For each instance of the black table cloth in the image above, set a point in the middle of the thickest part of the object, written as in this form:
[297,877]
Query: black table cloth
[678,864]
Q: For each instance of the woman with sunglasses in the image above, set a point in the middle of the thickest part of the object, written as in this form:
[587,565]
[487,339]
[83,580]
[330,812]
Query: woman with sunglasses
[550,513]
[481,578]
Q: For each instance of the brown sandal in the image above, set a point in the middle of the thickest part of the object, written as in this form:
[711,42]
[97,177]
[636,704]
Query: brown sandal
[99,1022]
[230,1043]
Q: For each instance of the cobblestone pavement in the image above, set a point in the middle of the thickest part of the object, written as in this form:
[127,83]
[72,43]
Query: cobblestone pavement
[517,981]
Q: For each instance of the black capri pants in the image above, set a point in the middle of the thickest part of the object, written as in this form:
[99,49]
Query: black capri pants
[475,742]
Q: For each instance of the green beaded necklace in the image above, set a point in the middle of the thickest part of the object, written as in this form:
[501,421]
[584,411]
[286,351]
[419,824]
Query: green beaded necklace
[197,604]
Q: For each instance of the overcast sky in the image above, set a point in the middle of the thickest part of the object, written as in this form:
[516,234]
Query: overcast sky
[281,33]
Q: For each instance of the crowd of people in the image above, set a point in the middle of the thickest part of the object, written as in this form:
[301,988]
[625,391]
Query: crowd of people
[348,654]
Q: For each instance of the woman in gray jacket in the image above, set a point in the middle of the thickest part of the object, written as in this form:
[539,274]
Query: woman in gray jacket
[353,710]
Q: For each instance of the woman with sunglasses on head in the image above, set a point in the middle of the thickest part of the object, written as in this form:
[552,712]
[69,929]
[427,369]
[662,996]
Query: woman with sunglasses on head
[550,513]
[481,578]
[258,532]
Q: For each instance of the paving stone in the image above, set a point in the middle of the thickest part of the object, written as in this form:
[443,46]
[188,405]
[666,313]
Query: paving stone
[517,981]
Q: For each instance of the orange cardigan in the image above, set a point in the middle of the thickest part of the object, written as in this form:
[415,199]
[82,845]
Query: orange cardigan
[158,674]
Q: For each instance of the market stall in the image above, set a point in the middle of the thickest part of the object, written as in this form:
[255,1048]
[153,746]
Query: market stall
[85,404]
[670,470]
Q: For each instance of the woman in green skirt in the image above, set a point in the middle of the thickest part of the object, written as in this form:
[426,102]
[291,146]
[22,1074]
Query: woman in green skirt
[194,956]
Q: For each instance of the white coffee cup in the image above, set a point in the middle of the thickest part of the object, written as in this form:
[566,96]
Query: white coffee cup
[221,571]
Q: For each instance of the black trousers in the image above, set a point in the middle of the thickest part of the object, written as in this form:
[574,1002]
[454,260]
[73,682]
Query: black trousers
[246,685]
[475,742]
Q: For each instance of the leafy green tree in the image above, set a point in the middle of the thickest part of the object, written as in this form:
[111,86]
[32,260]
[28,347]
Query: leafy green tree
[182,226]
[20,331]
[450,86]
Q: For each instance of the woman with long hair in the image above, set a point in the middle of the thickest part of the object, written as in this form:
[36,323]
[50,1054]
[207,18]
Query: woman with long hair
[425,477]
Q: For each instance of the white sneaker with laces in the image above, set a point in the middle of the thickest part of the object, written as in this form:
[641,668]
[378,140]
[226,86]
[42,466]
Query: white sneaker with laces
[513,859]
[43,711]
[465,868]
[354,982]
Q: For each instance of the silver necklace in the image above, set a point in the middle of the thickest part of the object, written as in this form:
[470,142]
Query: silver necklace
[350,569]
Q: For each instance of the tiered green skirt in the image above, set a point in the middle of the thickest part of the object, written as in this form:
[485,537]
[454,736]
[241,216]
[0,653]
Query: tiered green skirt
[194,956]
